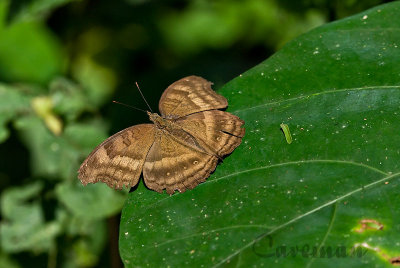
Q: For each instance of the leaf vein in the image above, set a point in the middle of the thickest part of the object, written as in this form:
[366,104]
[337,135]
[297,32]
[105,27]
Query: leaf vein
[211,231]
[272,166]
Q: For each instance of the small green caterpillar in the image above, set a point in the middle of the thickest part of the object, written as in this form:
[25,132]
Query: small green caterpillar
[286,131]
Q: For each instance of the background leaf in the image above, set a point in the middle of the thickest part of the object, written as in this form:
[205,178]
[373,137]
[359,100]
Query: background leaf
[25,227]
[337,87]
[92,202]
[32,9]
[12,103]
[195,27]
[42,57]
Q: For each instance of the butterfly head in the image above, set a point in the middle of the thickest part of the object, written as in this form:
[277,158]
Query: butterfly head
[156,119]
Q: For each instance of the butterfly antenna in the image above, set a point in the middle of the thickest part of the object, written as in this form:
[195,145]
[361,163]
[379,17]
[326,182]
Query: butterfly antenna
[143,97]
[117,102]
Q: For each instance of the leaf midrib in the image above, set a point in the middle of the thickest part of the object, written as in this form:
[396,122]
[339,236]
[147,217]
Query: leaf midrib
[314,95]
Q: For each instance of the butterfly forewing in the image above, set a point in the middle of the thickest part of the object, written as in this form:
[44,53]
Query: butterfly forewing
[189,95]
[118,161]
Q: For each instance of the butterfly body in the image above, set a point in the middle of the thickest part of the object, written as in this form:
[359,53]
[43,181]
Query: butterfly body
[178,151]
[170,127]
[160,122]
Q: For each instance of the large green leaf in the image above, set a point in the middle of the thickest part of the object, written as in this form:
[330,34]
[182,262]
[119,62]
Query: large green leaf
[332,189]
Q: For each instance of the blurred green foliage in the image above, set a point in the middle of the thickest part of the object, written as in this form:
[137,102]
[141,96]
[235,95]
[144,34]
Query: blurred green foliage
[62,61]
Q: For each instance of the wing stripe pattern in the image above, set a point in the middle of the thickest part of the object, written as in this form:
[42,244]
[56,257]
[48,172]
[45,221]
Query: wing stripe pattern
[220,131]
[166,169]
[189,95]
[118,161]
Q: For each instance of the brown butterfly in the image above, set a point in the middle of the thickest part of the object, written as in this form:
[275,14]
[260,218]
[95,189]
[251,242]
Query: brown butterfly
[178,151]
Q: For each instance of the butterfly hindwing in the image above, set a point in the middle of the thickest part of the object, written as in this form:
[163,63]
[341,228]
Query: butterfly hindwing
[173,165]
[222,132]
